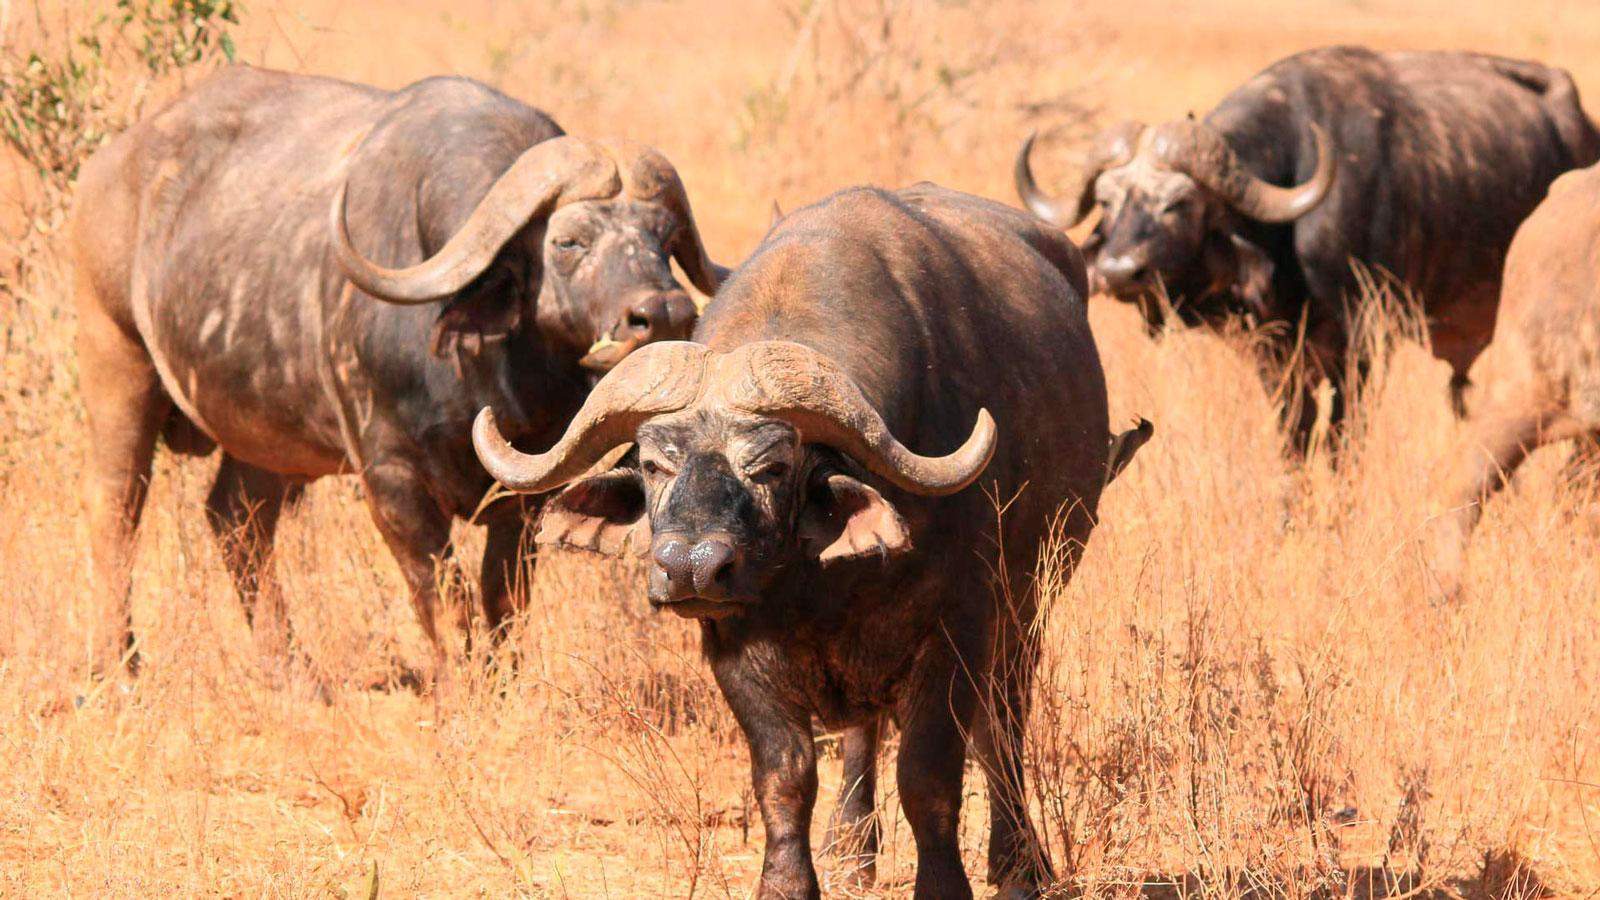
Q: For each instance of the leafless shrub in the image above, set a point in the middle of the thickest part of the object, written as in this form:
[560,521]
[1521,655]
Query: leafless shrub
[672,775]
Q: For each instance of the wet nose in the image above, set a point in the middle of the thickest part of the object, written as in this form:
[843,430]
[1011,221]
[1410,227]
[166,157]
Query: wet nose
[661,316]
[692,568]
[1122,271]
[655,316]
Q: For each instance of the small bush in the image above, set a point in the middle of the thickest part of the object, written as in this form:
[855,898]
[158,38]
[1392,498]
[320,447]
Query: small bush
[66,96]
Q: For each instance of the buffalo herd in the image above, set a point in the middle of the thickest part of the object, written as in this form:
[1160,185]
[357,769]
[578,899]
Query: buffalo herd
[842,457]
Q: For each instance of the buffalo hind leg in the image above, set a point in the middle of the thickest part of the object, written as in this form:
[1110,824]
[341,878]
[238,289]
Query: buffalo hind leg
[417,531]
[935,714]
[1460,346]
[243,509]
[508,561]
[1460,387]
[853,831]
[126,407]
[1583,466]
[1320,360]
[1017,861]
[1496,443]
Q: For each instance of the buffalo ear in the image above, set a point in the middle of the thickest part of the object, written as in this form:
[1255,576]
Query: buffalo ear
[486,311]
[846,519]
[604,513]
[1252,279]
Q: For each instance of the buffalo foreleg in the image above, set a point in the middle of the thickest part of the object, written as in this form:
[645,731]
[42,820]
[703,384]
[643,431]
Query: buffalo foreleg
[853,831]
[243,509]
[783,770]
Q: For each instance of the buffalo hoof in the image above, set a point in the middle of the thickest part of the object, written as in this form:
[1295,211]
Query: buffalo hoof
[853,873]
[1443,593]
[1019,872]
[398,676]
[295,672]
[103,690]
[116,662]
[1016,885]
[313,677]
[852,843]
[1444,558]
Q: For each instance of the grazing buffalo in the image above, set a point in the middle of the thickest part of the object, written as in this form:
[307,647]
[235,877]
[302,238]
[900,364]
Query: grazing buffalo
[838,574]
[1329,167]
[322,277]
[1542,373]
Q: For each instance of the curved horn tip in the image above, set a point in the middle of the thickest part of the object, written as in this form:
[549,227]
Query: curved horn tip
[493,450]
[484,427]
[987,434]
[1022,169]
[1063,211]
[975,453]
[337,210]
[339,226]
[1028,187]
[374,279]
[1268,203]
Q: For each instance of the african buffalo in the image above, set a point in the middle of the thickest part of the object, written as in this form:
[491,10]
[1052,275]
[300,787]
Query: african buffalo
[227,297]
[839,575]
[1541,379]
[1418,166]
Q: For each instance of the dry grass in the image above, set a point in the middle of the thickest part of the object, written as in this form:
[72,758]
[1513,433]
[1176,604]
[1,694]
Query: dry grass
[1244,693]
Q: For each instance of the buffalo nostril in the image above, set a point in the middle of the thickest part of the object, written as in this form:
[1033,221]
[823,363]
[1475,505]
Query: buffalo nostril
[1121,271]
[647,314]
[674,558]
[713,562]
[659,585]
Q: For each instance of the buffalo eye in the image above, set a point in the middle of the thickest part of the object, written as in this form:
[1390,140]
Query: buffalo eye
[655,469]
[568,244]
[770,473]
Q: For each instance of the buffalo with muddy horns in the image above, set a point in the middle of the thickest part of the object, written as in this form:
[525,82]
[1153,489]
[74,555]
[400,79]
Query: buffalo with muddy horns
[321,277]
[1540,377]
[1331,166]
[847,480]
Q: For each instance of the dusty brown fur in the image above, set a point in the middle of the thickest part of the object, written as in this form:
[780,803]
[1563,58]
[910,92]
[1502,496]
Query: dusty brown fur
[1541,374]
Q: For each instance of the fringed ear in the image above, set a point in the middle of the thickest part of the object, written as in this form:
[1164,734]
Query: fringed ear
[846,519]
[604,513]
[487,311]
[1252,277]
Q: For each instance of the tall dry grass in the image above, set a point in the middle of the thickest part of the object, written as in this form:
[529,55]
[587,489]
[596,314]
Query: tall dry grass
[1244,690]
